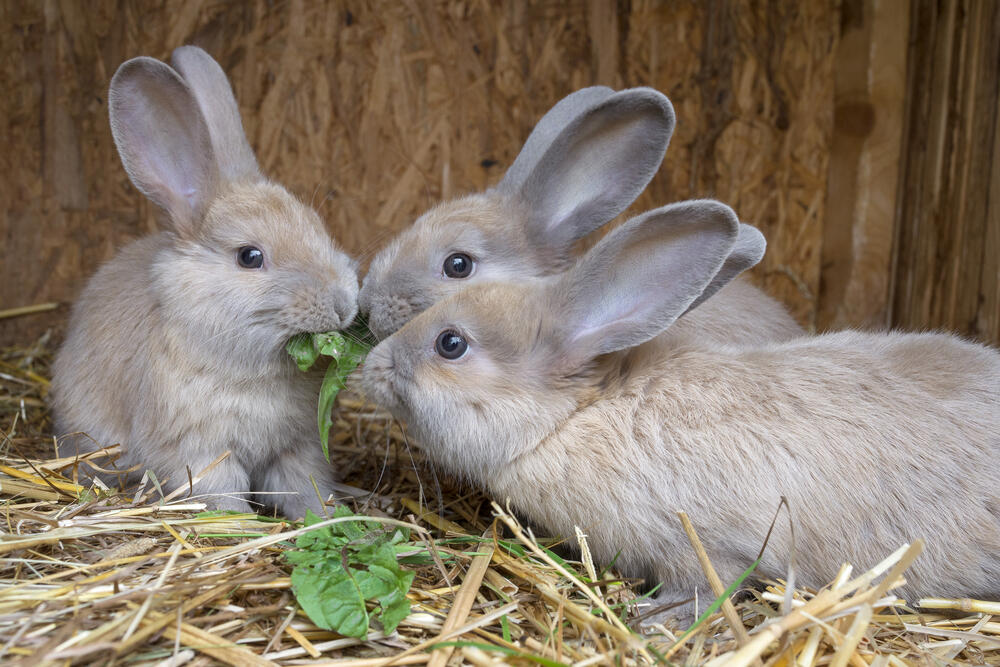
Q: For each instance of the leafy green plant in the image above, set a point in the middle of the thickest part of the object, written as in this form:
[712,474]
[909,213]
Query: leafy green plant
[342,567]
[346,350]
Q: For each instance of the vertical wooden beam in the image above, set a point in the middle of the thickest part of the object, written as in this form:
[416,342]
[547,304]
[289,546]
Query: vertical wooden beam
[989,310]
[870,88]
[945,267]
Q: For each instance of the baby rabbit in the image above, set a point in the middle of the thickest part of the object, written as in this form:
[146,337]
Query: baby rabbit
[554,394]
[175,347]
[584,163]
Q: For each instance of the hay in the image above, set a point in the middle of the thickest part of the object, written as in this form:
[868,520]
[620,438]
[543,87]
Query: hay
[120,579]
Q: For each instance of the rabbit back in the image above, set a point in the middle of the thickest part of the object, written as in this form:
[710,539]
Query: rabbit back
[876,440]
[97,371]
[568,397]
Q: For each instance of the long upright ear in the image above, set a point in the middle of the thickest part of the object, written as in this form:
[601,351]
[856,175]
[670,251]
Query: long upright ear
[595,165]
[548,128]
[641,277]
[749,250]
[211,89]
[162,139]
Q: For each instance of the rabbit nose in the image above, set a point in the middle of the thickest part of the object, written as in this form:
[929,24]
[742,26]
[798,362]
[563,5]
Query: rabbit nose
[343,304]
[335,309]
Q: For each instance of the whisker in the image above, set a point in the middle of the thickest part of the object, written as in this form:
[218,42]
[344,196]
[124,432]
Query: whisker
[439,496]
[374,243]
[381,474]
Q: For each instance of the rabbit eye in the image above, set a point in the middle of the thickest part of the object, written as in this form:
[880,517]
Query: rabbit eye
[450,344]
[458,265]
[250,257]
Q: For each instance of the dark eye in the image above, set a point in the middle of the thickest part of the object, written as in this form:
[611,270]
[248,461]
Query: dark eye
[250,257]
[458,265]
[450,344]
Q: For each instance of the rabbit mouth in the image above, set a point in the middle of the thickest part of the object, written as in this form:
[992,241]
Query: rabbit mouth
[377,375]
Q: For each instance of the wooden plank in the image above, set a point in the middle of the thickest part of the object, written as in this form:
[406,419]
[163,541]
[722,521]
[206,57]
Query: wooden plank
[864,164]
[943,269]
[753,86]
[988,318]
[376,112]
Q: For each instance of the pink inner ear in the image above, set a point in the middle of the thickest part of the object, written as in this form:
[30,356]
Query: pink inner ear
[601,318]
[191,196]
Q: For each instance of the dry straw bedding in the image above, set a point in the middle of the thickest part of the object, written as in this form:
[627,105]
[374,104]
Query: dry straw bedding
[115,578]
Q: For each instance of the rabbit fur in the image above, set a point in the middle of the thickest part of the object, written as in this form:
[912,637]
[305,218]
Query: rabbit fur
[176,351]
[570,404]
[584,163]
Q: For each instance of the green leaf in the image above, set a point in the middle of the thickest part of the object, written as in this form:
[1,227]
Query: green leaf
[376,583]
[343,607]
[336,598]
[311,519]
[346,350]
[395,607]
[327,395]
[303,351]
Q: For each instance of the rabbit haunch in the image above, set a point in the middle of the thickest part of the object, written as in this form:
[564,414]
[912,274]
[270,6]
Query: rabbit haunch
[569,404]
[175,347]
[585,162]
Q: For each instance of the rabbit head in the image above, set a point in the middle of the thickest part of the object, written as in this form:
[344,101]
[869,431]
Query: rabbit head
[248,264]
[485,375]
[584,163]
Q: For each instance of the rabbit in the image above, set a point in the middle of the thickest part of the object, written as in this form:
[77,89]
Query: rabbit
[584,163]
[558,396]
[175,348]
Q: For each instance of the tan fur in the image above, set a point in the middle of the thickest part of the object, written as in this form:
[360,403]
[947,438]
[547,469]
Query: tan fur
[875,439]
[499,228]
[177,352]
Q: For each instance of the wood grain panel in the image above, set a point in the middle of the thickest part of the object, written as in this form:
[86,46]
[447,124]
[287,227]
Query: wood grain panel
[945,258]
[374,111]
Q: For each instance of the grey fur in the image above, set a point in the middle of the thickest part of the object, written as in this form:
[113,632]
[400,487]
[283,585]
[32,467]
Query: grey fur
[586,161]
[548,128]
[218,106]
[875,439]
[747,252]
[173,350]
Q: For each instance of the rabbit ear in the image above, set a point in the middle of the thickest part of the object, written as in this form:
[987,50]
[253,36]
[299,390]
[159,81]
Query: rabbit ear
[548,128]
[594,166]
[641,277]
[162,139]
[214,95]
[749,250]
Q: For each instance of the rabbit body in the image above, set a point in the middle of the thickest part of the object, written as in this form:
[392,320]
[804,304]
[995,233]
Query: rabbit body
[584,163]
[175,349]
[875,440]
[570,402]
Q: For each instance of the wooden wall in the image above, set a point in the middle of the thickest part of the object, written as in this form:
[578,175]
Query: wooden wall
[792,112]
[947,252]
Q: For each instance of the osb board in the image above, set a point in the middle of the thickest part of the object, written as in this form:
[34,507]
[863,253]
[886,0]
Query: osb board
[869,99]
[374,111]
[947,255]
